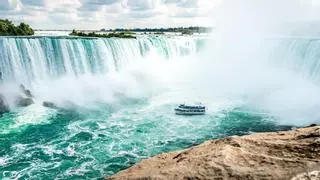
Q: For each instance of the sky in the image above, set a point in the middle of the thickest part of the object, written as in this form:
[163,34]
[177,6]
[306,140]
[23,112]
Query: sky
[97,14]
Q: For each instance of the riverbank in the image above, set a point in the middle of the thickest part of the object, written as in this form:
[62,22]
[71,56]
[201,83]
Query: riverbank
[277,155]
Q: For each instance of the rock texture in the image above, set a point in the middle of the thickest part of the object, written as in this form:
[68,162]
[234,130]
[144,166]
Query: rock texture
[280,155]
[314,175]
[4,108]
[24,102]
[49,105]
[26,99]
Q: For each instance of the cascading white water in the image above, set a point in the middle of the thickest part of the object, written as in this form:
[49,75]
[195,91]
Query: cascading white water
[299,54]
[83,70]
[257,58]
[28,60]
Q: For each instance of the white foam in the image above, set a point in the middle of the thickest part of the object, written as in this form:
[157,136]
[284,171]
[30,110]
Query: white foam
[3,161]
[33,114]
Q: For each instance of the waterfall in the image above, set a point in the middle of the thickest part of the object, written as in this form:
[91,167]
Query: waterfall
[40,58]
[298,54]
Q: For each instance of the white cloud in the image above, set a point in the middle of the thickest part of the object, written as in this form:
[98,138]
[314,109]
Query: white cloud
[10,5]
[95,14]
[316,2]
[141,5]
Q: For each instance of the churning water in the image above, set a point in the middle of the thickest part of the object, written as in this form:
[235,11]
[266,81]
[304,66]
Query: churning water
[117,96]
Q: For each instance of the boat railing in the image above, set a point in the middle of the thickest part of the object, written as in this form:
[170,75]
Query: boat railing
[190,110]
[192,107]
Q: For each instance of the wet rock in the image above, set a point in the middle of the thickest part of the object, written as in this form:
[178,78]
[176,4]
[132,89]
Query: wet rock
[28,93]
[26,99]
[49,105]
[24,102]
[25,91]
[4,108]
[312,125]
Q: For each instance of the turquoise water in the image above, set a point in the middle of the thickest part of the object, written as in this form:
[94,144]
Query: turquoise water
[117,98]
[82,143]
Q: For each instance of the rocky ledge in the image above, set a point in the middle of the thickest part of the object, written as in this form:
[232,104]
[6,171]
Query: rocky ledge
[279,155]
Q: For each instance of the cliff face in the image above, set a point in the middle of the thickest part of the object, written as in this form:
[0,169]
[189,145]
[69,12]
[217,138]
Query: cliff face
[279,155]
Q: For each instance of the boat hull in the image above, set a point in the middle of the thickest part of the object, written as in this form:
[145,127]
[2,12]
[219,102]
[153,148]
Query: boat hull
[189,110]
[190,113]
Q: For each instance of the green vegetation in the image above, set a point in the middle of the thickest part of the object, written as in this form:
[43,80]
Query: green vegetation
[183,30]
[126,34]
[159,33]
[7,28]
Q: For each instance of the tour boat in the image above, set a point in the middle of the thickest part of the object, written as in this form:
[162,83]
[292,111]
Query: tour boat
[190,110]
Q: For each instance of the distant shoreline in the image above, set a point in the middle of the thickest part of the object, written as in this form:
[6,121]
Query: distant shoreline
[65,35]
[195,29]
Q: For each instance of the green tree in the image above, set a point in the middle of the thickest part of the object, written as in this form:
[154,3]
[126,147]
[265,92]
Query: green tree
[7,28]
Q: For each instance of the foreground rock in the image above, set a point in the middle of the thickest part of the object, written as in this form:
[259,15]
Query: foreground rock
[279,155]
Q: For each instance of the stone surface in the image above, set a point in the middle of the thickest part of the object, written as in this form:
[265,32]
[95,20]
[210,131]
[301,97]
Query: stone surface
[314,175]
[4,108]
[278,155]
[49,105]
[26,99]
[24,102]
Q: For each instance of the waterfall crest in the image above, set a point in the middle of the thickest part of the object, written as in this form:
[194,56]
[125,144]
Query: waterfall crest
[41,58]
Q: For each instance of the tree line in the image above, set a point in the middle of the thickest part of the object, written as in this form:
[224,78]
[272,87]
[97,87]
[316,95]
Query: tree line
[108,35]
[183,30]
[7,28]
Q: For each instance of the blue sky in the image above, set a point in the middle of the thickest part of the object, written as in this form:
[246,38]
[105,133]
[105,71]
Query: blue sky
[96,14]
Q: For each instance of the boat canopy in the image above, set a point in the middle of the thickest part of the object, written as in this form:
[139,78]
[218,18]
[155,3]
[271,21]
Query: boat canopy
[191,106]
